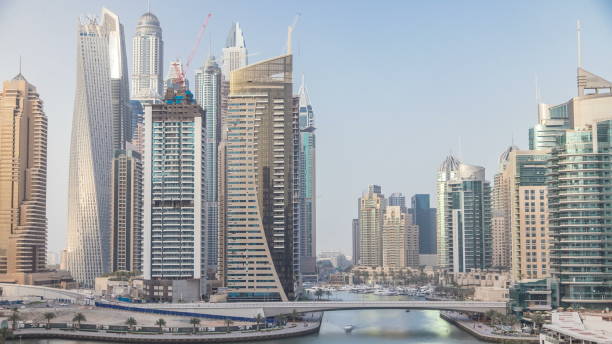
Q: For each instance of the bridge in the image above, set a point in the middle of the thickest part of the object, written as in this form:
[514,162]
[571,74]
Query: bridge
[271,309]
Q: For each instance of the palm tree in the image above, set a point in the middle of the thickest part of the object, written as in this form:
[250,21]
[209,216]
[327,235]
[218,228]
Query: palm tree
[328,293]
[49,316]
[319,293]
[78,318]
[161,323]
[228,323]
[14,318]
[131,322]
[294,315]
[492,315]
[538,321]
[258,319]
[194,322]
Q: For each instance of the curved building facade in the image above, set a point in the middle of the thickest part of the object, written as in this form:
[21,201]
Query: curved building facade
[99,125]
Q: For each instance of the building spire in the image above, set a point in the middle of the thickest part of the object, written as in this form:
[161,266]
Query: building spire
[578,44]
[19,64]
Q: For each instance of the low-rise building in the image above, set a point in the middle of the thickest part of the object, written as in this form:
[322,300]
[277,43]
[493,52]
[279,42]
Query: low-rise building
[574,328]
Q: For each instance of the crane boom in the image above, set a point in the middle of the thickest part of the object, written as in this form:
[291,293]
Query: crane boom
[181,73]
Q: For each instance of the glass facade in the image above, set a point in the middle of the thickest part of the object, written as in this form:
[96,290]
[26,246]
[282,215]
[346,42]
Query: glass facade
[580,204]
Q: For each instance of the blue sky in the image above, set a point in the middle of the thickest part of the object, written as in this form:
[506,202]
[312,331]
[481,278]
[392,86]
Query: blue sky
[395,85]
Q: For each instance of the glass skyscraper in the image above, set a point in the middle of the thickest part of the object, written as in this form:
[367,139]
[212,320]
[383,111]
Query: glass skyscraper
[467,219]
[101,123]
[208,96]
[580,217]
[257,189]
[425,217]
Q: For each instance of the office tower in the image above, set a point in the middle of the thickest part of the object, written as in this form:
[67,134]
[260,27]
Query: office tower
[447,171]
[356,244]
[126,245]
[467,219]
[147,60]
[398,199]
[176,78]
[578,187]
[256,247]
[100,124]
[501,213]
[174,186]
[371,214]
[306,173]
[425,217]
[235,55]
[208,96]
[23,179]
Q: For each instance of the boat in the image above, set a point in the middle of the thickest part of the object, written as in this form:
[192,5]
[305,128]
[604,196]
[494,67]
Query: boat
[348,328]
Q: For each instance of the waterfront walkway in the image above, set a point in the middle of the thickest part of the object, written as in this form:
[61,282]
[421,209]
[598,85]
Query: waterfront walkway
[483,331]
[291,330]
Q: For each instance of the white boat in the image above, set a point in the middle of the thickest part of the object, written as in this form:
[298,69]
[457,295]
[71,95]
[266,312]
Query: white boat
[348,328]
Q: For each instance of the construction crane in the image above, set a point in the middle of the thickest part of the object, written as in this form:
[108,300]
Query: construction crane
[180,80]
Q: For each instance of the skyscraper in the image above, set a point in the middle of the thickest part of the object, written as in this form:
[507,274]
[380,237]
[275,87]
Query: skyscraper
[235,55]
[447,171]
[307,183]
[147,59]
[400,238]
[176,78]
[23,179]
[126,245]
[398,199]
[371,216]
[257,183]
[501,213]
[355,231]
[579,203]
[425,217]
[100,124]
[174,236]
[466,218]
[208,96]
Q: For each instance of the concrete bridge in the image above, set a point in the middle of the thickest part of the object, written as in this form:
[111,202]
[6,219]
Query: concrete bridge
[270,309]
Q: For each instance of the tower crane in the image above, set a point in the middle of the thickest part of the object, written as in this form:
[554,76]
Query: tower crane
[181,73]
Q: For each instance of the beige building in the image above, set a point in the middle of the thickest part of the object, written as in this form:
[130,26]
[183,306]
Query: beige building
[501,213]
[256,184]
[524,174]
[23,179]
[394,237]
[371,213]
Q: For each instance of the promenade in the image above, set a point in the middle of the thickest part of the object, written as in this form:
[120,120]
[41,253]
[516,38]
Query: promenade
[291,330]
[483,331]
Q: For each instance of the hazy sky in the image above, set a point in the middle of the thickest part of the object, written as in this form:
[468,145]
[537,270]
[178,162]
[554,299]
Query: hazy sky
[395,85]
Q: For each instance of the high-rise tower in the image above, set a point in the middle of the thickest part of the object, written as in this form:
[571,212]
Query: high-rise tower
[447,171]
[235,54]
[307,183]
[465,216]
[372,206]
[23,179]
[256,239]
[425,217]
[208,96]
[147,59]
[174,241]
[100,124]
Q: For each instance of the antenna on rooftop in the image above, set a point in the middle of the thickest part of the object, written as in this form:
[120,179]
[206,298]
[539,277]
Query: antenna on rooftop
[578,44]
[19,64]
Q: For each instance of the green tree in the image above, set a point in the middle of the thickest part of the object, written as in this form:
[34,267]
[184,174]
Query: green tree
[294,315]
[49,316]
[228,323]
[328,293]
[258,320]
[195,322]
[78,318]
[14,318]
[538,321]
[131,322]
[161,323]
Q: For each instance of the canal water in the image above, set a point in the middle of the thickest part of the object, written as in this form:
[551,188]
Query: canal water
[370,327]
